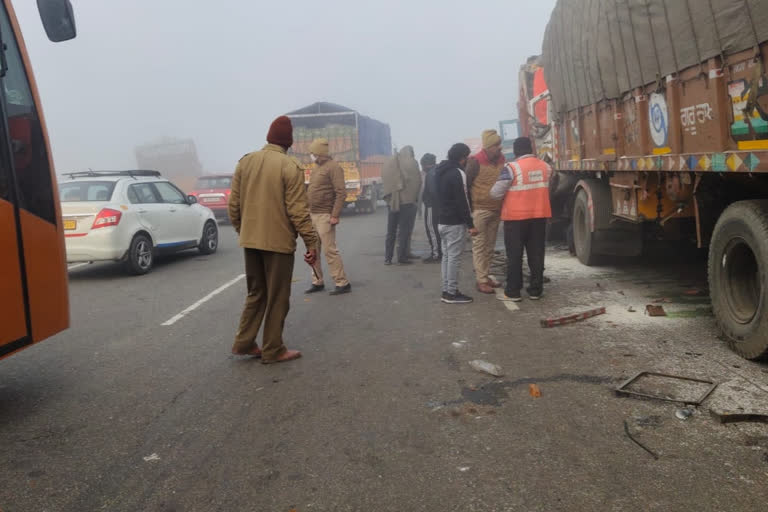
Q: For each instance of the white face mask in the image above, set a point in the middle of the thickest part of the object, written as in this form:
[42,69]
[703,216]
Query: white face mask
[314,158]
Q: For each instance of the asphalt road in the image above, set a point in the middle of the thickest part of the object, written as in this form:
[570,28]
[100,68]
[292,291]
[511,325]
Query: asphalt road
[384,412]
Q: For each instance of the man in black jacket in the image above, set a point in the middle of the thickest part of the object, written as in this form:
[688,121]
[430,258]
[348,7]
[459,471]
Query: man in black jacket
[428,166]
[454,219]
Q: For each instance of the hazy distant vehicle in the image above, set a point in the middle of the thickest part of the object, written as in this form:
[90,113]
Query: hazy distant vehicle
[213,192]
[129,217]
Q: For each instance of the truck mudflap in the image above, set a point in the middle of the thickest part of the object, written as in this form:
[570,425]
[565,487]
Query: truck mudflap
[738,277]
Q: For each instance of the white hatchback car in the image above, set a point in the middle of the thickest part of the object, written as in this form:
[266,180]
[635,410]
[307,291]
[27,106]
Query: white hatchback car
[130,216]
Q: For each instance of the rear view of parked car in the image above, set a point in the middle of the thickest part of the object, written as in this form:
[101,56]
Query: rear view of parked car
[213,192]
[130,217]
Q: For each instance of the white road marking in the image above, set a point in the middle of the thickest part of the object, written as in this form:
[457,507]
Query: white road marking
[202,301]
[77,265]
[510,305]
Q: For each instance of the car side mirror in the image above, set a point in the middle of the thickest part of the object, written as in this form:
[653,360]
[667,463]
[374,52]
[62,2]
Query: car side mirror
[191,199]
[58,19]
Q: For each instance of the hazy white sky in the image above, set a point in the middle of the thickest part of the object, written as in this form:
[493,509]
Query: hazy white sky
[437,71]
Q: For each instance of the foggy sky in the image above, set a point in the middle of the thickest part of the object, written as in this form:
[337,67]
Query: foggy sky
[436,71]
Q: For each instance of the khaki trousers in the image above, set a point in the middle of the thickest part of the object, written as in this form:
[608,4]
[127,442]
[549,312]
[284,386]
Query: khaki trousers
[484,244]
[268,276]
[327,233]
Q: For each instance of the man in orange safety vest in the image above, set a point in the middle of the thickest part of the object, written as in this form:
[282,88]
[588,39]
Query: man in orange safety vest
[524,187]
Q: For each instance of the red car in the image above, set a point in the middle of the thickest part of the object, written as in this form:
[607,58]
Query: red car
[213,192]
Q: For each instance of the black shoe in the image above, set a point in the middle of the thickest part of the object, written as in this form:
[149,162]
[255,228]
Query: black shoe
[341,290]
[387,262]
[430,259]
[457,298]
[315,288]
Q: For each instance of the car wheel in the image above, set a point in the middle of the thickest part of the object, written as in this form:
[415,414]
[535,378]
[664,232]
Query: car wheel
[140,255]
[210,239]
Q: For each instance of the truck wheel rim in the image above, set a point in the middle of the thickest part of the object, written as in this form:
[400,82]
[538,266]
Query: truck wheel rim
[741,280]
[143,255]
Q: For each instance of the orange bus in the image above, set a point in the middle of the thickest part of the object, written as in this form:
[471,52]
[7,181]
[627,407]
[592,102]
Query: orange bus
[33,274]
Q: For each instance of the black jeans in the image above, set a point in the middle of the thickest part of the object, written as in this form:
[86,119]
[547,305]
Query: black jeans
[530,235]
[433,234]
[399,228]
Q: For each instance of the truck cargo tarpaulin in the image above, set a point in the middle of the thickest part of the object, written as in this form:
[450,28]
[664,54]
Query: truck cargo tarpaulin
[600,49]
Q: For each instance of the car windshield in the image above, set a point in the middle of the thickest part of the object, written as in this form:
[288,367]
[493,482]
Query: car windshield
[214,182]
[86,191]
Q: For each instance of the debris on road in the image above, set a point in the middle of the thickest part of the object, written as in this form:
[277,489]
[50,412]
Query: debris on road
[464,469]
[694,293]
[738,417]
[457,345]
[151,458]
[663,301]
[669,388]
[738,401]
[554,322]
[631,309]
[652,310]
[683,414]
[486,367]
[534,390]
[638,443]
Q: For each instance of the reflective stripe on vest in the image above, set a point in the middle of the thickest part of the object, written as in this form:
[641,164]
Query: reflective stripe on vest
[528,196]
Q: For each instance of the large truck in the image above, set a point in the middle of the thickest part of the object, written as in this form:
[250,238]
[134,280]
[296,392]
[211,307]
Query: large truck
[654,113]
[176,159]
[358,143]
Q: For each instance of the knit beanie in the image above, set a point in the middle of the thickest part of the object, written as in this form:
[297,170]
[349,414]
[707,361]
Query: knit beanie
[319,147]
[281,132]
[491,138]
[428,159]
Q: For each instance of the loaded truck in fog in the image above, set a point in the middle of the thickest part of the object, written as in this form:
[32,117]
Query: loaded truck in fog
[358,143]
[654,113]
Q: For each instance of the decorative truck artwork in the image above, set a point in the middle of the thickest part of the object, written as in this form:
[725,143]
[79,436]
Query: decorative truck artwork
[657,125]
[358,143]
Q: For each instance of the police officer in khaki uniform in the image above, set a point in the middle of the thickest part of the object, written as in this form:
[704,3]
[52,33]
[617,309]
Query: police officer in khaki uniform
[327,192]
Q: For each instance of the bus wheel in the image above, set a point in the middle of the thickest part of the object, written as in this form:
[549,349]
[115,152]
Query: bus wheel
[738,277]
[140,257]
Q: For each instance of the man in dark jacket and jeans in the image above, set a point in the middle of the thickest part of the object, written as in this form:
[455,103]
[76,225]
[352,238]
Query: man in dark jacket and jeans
[454,219]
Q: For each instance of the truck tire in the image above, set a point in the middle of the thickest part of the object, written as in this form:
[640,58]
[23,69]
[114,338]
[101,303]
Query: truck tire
[738,277]
[583,237]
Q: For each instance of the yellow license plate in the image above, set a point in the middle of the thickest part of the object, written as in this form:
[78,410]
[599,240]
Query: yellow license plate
[70,225]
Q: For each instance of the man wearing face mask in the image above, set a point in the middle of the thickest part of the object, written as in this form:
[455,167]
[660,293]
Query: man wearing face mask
[327,192]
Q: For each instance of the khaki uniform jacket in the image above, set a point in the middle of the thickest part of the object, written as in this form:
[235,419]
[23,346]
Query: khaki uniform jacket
[480,179]
[268,202]
[327,190]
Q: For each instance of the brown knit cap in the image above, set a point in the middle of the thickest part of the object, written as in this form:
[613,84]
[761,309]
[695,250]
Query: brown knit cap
[281,132]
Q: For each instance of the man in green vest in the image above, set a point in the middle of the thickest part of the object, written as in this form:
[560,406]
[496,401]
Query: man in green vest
[482,172]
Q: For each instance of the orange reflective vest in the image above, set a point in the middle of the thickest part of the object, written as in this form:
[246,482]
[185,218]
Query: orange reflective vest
[528,194]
